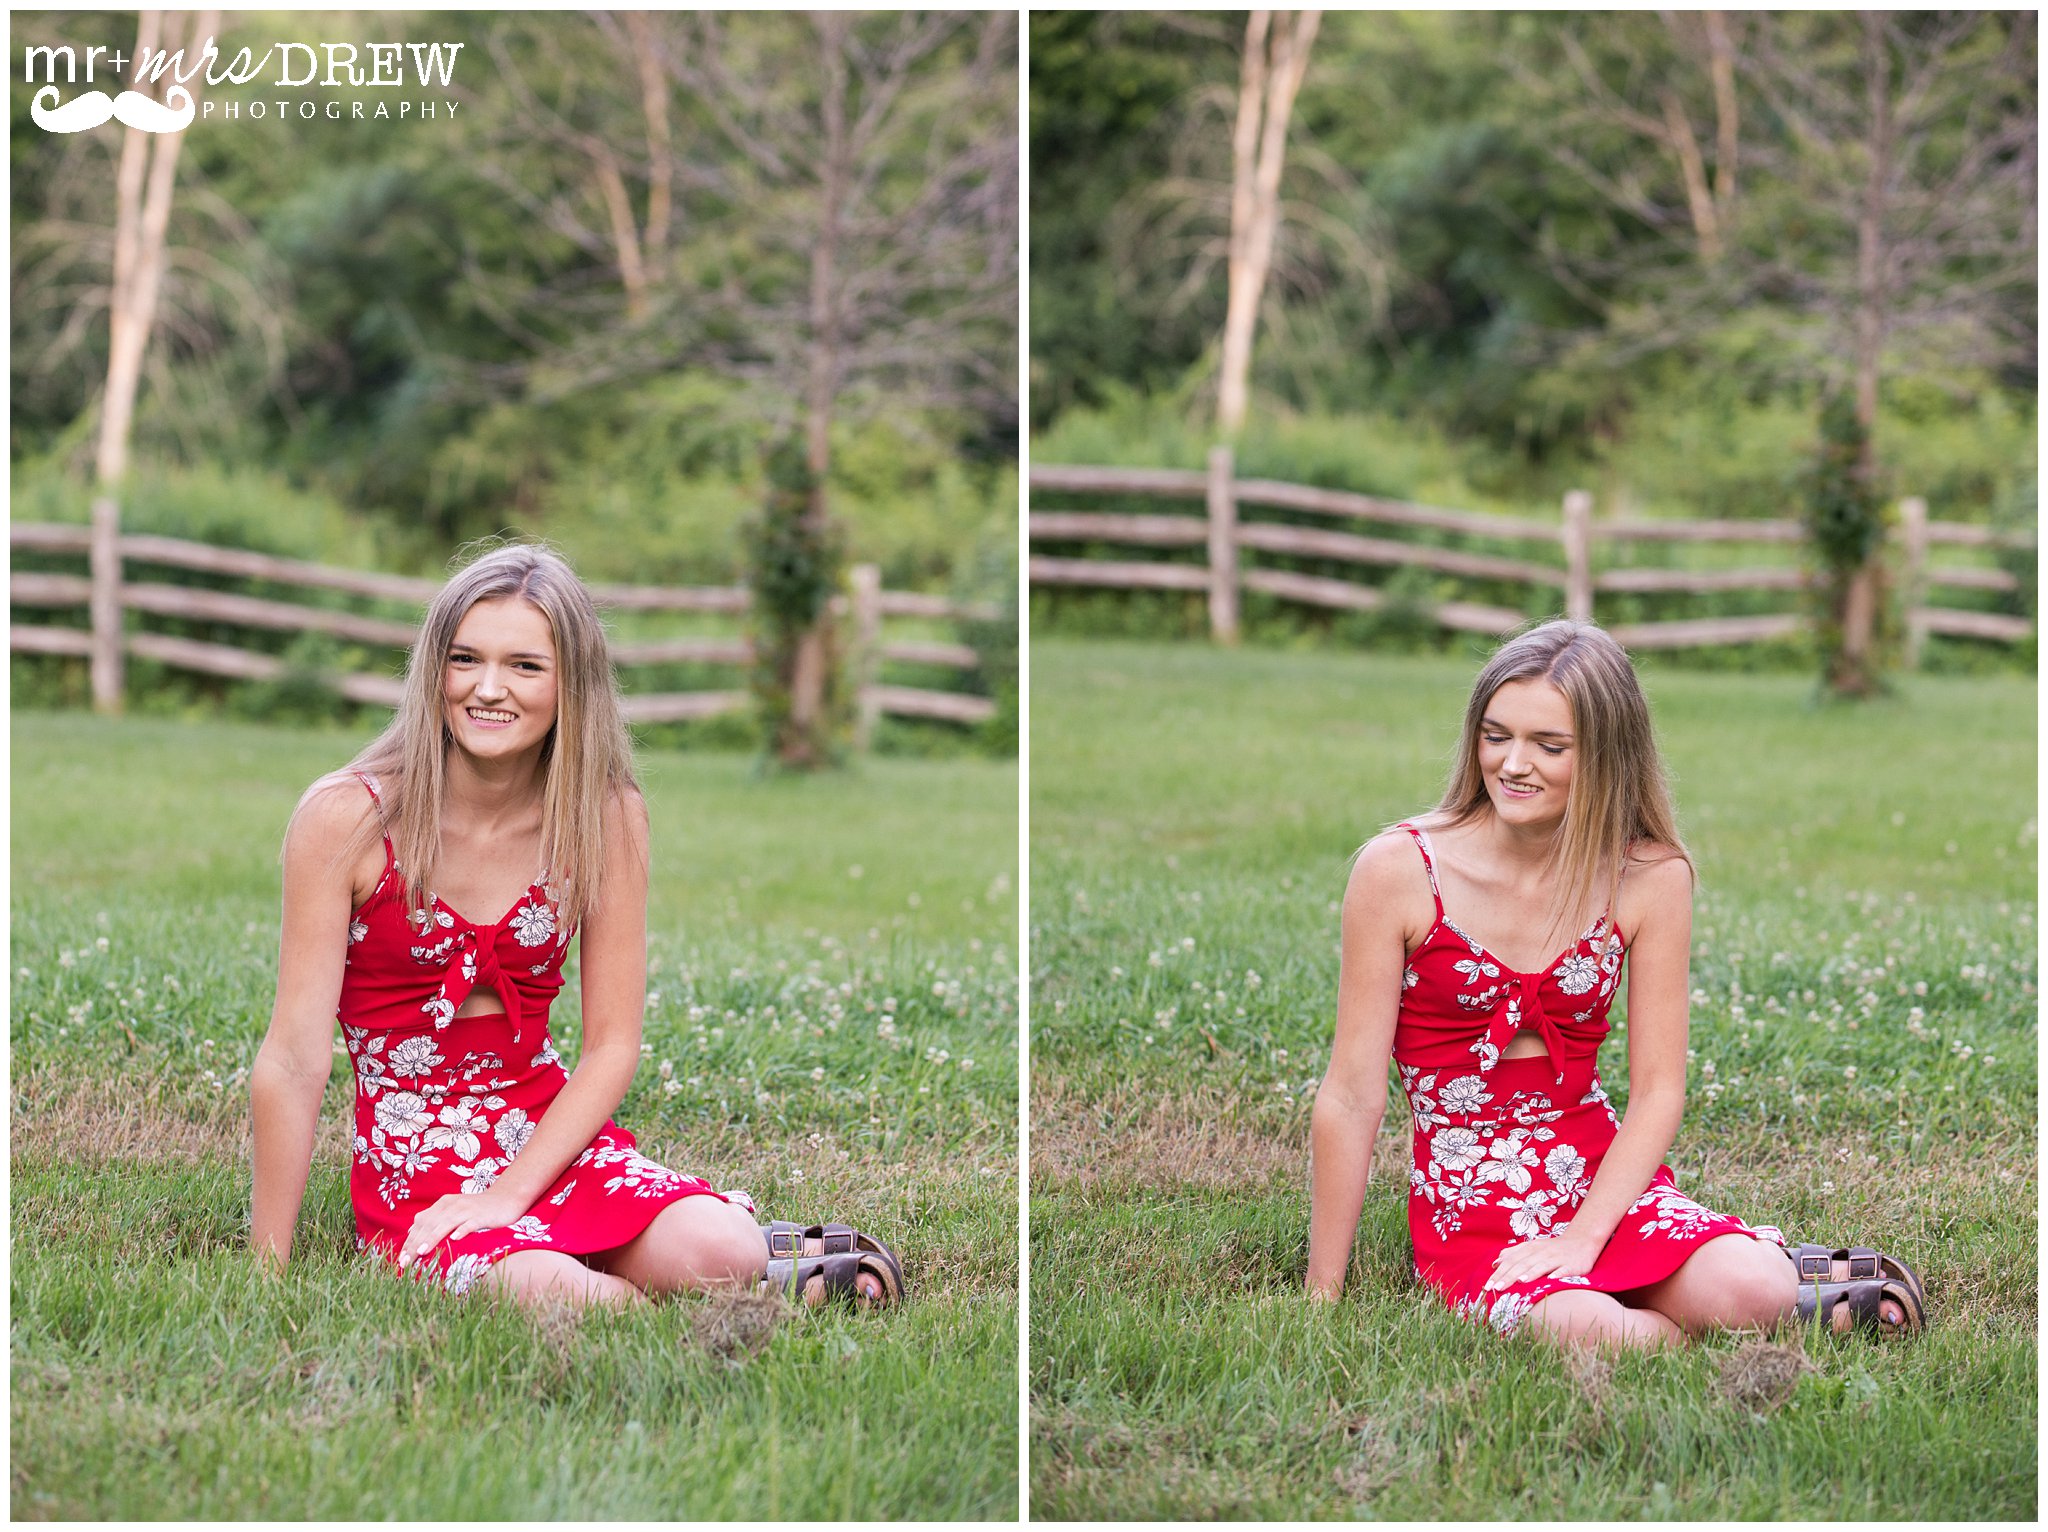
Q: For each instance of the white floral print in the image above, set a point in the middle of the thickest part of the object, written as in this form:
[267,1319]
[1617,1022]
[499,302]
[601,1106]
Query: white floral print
[530,1227]
[1464,1093]
[1530,1216]
[1566,1168]
[1476,968]
[1509,1159]
[1456,1148]
[514,1129]
[461,1124]
[478,1177]
[414,1056]
[1576,974]
[533,925]
[463,1271]
[357,930]
[403,1114]
[1507,1312]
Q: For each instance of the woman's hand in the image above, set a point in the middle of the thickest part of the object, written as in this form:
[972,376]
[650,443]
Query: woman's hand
[1563,1256]
[455,1215]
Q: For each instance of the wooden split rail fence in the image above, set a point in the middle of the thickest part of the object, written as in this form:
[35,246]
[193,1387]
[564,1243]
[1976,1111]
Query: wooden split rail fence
[1565,563]
[108,593]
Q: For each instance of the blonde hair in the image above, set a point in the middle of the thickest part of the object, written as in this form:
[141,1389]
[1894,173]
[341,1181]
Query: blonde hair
[586,759]
[1620,793]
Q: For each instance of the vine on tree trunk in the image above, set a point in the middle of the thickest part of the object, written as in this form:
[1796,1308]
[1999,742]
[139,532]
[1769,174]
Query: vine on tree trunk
[1845,522]
[795,565]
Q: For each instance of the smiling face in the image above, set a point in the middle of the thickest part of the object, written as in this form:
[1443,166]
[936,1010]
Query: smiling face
[1525,752]
[499,685]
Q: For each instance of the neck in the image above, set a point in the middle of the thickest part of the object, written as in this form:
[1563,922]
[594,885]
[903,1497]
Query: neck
[1525,847]
[489,792]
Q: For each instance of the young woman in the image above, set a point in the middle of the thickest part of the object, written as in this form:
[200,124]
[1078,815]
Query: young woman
[1531,1203]
[504,787]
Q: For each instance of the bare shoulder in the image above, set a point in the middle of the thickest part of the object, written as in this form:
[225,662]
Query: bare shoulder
[1387,876]
[1656,886]
[329,814]
[625,819]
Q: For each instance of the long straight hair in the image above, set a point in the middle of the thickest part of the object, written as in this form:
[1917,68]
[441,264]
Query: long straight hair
[1620,793]
[586,759]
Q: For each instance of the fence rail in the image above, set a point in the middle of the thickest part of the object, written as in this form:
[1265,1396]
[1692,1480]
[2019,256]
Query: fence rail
[867,606]
[1563,558]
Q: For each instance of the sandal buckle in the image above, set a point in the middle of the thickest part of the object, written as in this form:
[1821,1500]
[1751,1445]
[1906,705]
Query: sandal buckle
[1862,1267]
[1816,1268]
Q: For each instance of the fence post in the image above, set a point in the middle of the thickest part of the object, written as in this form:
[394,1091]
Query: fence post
[1913,512]
[104,561]
[867,651]
[1222,500]
[1578,555]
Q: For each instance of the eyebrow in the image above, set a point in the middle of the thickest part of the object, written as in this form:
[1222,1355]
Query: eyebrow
[523,654]
[1494,723]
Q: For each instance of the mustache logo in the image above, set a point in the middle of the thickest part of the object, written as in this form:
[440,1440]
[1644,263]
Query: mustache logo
[171,115]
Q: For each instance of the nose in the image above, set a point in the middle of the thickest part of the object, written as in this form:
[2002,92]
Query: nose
[490,683]
[1515,763]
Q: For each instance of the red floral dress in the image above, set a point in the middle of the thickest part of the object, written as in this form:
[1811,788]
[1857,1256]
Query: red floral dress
[1506,1149]
[444,1103]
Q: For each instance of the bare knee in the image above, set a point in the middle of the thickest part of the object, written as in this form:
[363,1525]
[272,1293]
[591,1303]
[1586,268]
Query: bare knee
[728,1245]
[696,1243]
[1759,1286]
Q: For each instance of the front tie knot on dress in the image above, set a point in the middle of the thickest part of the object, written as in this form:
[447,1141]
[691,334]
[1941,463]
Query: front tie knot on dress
[445,1102]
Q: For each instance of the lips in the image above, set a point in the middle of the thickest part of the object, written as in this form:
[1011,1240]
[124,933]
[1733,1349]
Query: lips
[488,716]
[1518,790]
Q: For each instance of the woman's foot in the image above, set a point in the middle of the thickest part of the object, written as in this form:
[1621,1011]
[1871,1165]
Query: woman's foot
[1848,1286]
[832,1260]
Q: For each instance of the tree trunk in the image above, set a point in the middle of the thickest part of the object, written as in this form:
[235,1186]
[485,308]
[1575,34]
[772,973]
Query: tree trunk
[804,744]
[142,215]
[1856,670]
[1265,101]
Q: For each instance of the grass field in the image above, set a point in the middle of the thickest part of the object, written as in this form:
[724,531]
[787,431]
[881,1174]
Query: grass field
[832,1025]
[1863,1069]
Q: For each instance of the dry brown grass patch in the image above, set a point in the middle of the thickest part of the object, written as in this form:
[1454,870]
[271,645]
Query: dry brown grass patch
[148,1112]
[1208,1137]
[1760,1375]
[734,1325]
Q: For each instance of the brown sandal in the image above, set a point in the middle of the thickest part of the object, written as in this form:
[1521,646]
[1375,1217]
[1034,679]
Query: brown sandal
[1871,1277]
[843,1254]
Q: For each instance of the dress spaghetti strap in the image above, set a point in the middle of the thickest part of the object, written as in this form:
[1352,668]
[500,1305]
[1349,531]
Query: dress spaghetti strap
[370,786]
[1428,866]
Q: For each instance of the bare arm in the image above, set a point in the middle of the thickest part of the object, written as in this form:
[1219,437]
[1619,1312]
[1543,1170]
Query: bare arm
[1658,1017]
[290,1073]
[614,938]
[1352,1099]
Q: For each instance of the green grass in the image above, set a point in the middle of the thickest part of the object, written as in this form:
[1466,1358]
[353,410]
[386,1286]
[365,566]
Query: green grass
[1863,1068]
[832,1024]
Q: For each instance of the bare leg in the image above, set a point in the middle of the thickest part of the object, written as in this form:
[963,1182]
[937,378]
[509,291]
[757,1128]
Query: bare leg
[701,1243]
[693,1245]
[543,1278]
[1730,1283]
[1582,1317]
